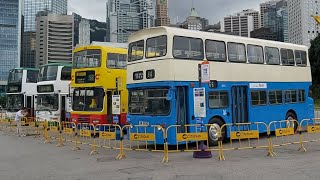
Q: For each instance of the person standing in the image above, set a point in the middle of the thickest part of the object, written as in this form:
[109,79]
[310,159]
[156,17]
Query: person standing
[19,115]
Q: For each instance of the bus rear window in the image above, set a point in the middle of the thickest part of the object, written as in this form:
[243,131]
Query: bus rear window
[136,50]
[116,61]
[156,46]
[301,58]
[187,48]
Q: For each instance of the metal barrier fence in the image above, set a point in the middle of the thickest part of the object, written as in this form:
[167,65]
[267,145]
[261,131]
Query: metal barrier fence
[244,136]
[187,138]
[309,132]
[143,138]
[285,132]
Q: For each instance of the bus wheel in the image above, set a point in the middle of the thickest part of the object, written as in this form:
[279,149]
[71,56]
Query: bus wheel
[292,116]
[213,131]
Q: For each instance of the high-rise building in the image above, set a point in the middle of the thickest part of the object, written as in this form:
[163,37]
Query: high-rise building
[54,37]
[302,25]
[193,22]
[30,10]
[253,13]
[10,38]
[276,18]
[81,33]
[84,32]
[204,23]
[240,25]
[125,17]
[163,18]
[263,7]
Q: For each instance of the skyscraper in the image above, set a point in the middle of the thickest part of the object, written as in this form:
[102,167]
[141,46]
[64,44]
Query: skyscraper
[302,26]
[276,18]
[127,16]
[240,25]
[10,38]
[253,13]
[31,8]
[162,13]
[263,7]
[54,37]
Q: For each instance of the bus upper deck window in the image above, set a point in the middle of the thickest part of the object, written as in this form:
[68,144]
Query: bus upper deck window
[216,50]
[156,46]
[136,50]
[301,58]
[236,52]
[272,55]
[188,48]
[287,57]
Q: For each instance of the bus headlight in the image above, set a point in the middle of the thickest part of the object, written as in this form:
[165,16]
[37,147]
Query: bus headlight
[95,121]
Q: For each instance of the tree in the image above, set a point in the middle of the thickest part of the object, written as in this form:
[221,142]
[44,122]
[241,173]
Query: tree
[314,57]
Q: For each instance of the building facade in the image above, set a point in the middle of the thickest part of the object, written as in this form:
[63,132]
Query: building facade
[54,39]
[162,13]
[84,32]
[238,25]
[254,14]
[125,17]
[30,11]
[302,26]
[10,38]
[264,33]
[276,18]
[263,7]
[194,21]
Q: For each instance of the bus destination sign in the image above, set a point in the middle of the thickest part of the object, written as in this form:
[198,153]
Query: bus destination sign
[14,88]
[45,88]
[85,77]
[138,75]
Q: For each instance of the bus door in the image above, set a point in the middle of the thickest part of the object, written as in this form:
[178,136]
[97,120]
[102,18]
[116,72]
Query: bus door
[239,104]
[109,107]
[63,108]
[181,106]
[29,105]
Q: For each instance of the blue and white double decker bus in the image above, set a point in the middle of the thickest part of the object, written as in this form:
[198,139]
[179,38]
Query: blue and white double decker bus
[251,80]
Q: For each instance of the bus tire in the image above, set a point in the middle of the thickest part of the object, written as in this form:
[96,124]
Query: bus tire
[291,116]
[213,131]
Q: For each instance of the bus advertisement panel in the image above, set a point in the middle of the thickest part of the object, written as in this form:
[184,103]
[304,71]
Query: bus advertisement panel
[250,80]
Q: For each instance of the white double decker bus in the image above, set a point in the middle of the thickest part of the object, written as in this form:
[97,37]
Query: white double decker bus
[53,92]
[22,90]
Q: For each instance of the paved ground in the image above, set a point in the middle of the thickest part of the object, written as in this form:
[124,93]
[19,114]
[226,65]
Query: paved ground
[26,158]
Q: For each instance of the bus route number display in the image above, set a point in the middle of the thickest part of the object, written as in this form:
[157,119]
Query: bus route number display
[85,77]
[138,75]
[45,88]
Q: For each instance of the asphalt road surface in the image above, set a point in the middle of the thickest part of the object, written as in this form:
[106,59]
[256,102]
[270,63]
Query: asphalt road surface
[27,158]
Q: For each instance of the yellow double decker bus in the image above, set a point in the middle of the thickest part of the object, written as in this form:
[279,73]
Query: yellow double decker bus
[98,85]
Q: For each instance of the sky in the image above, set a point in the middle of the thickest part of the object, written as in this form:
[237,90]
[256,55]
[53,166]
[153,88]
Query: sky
[214,10]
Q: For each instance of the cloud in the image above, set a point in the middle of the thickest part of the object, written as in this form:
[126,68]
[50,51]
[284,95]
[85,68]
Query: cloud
[90,9]
[214,10]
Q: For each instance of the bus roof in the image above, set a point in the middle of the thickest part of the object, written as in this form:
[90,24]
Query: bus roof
[58,64]
[155,31]
[21,68]
[102,47]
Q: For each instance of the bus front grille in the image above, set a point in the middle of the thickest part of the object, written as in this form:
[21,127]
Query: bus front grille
[84,119]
